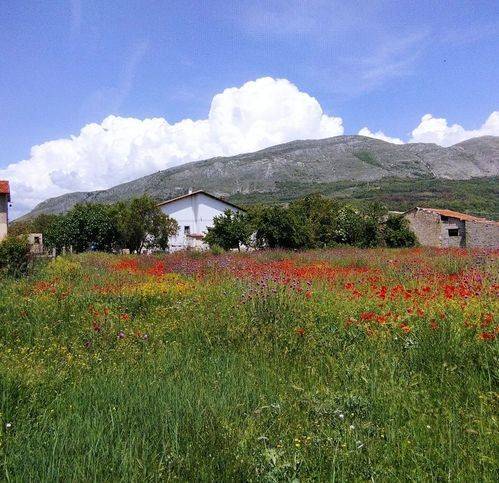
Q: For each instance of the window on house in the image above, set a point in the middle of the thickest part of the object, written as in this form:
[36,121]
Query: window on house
[37,240]
[187,230]
[453,231]
[444,218]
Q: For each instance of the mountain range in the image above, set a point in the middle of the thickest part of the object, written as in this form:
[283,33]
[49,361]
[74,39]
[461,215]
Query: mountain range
[339,166]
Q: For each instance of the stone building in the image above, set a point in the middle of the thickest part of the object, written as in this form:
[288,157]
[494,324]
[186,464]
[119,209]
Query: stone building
[447,228]
[4,208]
[35,241]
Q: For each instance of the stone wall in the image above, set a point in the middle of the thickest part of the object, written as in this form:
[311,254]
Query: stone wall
[482,234]
[452,241]
[433,231]
[426,227]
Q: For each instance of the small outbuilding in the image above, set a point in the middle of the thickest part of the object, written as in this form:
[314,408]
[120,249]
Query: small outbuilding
[446,228]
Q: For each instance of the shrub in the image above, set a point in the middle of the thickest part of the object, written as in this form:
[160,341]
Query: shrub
[397,233]
[216,250]
[15,256]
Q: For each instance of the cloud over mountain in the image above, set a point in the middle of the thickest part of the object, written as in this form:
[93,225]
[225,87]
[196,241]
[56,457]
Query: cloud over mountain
[258,114]
[365,131]
[437,130]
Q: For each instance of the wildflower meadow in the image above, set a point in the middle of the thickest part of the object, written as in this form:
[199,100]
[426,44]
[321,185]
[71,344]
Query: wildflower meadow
[336,365]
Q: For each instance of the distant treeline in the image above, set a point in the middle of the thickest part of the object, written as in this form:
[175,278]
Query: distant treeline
[477,196]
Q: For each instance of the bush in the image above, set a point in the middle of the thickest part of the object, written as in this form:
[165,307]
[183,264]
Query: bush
[216,250]
[15,256]
[398,234]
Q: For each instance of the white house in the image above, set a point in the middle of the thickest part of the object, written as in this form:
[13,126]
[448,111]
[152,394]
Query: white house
[194,213]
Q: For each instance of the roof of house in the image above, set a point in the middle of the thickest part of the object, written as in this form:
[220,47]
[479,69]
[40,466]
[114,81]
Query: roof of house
[455,214]
[197,193]
[5,188]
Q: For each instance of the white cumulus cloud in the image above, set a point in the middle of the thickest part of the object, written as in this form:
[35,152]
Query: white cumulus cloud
[365,131]
[256,115]
[437,130]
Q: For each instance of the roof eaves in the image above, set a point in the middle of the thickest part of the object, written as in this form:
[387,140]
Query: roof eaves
[187,195]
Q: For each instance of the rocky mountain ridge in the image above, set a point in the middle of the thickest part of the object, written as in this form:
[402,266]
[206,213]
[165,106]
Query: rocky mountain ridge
[342,158]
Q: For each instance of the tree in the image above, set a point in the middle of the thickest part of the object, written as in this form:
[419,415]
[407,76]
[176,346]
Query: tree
[372,215]
[397,233]
[15,255]
[92,226]
[143,224]
[230,230]
[278,227]
[85,226]
[348,226]
[318,216]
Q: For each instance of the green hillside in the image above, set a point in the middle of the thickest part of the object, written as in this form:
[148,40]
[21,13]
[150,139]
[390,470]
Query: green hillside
[478,196]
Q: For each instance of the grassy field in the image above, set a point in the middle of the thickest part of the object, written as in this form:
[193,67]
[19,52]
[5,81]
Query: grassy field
[339,365]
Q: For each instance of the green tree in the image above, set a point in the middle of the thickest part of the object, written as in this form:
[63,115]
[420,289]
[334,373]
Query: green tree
[348,226]
[318,217]
[278,227]
[142,224]
[372,215]
[87,226]
[230,230]
[15,255]
[92,226]
[56,235]
[397,233]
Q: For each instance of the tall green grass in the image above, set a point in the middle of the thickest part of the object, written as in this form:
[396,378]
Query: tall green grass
[226,388]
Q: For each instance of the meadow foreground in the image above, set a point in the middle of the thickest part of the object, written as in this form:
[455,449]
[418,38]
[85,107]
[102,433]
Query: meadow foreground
[324,365]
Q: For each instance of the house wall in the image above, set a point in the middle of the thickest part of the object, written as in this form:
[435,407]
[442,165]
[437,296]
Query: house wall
[4,206]
[426,227]
[196,212]
[35,241]
[453,241]
[432,231]
[482,234]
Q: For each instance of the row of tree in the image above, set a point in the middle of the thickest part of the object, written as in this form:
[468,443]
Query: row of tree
[133,225]
[311,222]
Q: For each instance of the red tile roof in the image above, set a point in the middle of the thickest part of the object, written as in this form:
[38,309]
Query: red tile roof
[456,214]
[4,187]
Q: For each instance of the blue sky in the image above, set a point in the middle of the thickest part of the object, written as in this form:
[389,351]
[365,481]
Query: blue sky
[383,64]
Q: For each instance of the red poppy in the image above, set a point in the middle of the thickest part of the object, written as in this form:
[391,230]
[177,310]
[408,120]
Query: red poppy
[487,320]
[487,336]
[367,315]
